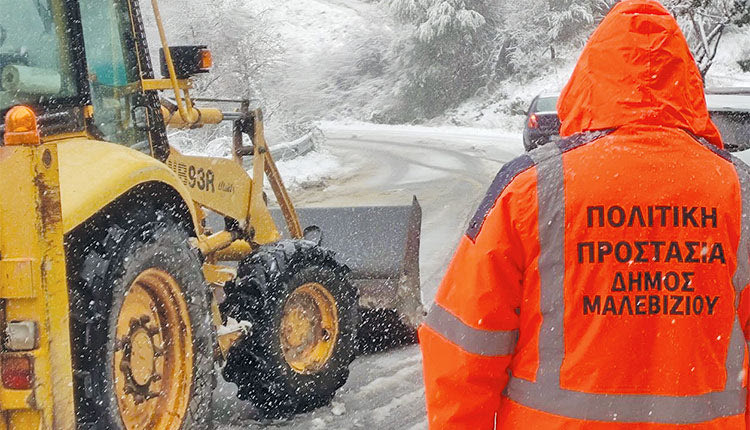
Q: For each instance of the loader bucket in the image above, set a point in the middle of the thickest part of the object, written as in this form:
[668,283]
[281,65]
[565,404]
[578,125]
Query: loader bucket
[380,244]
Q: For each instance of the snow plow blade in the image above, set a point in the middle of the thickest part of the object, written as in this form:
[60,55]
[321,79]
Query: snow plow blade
[380,244]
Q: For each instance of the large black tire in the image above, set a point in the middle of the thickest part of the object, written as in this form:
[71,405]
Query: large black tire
[257,364]
[104,258]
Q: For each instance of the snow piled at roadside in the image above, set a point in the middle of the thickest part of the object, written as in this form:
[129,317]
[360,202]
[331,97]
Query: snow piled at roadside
[311,170]
[220,147]
[416,130]
[503,108]
[459,137]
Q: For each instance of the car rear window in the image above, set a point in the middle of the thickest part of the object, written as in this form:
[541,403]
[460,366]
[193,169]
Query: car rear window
[546,104]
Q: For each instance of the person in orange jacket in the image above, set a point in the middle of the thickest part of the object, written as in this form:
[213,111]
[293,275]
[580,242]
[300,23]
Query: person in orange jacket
[602,282]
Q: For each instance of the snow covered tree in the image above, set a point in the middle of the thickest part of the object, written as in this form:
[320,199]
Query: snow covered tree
[242,49]
[459,46]
[705,21]
[535,33]
[572,20]
[443,57]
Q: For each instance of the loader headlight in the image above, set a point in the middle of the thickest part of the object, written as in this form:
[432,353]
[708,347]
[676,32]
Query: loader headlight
[21,336]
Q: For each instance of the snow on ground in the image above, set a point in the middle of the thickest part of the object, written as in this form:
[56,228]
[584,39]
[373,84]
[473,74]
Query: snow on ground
[188,144]
[447,168]
[311,170]
[503,108]
[458,137]
[384,391]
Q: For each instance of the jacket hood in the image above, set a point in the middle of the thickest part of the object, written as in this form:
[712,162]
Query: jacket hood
[636,69]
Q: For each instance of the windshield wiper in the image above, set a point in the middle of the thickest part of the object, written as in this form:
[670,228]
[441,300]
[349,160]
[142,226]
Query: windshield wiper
[45,14]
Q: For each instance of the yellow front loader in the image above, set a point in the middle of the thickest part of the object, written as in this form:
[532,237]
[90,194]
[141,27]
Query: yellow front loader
[128,270]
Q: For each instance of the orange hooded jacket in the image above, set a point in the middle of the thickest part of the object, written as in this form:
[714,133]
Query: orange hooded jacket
[601,284]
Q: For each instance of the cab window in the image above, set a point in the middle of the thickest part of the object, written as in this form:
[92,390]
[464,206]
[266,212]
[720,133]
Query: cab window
[113,72]
[35,65]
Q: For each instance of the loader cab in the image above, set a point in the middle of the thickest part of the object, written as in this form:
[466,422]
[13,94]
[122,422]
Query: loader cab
[84,58]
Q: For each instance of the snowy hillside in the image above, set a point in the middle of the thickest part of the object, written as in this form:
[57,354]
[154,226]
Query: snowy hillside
[504,107]
[384,61]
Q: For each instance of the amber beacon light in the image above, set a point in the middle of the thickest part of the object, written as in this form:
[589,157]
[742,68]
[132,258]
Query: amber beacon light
[21,127]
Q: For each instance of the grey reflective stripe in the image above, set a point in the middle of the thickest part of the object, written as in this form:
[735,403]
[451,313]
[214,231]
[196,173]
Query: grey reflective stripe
[551,204]
[546,394]
[735,356]
[481,342]
[742,273]
[627,408]
[736,351]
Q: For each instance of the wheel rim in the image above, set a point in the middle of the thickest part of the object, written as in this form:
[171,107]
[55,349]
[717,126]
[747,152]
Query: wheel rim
[153,360]
[309,328]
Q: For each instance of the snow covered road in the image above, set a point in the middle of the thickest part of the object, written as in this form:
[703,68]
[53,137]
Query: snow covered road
[448,169]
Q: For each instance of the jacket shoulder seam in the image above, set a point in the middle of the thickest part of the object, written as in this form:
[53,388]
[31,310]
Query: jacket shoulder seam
[515,167]
[502,180]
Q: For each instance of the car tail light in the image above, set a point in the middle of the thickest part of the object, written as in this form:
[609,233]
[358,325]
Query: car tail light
[17,372]
[533,121]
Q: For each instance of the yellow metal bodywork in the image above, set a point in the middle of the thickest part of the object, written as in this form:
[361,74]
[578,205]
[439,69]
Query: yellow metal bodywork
[93,174]
[165,84]
[224,186]
[49,190]
[188,114]
[206,116]
[34,285]
[263,163]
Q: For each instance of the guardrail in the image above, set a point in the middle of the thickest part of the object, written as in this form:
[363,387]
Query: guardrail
[288,150]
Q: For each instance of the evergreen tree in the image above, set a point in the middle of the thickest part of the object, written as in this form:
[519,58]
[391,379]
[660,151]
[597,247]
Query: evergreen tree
[444,56]
[536,33]
[572,20]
